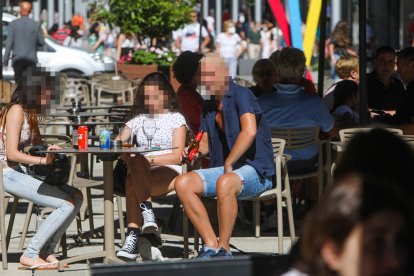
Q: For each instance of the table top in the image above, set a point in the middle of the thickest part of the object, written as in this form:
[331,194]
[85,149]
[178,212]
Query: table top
[68,123]
[84,114]
[98,150]
[91,107]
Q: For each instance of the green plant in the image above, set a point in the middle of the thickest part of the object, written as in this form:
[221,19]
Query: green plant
[147,18]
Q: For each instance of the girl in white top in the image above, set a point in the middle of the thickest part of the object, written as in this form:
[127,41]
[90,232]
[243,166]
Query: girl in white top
[151,174]
[229,47]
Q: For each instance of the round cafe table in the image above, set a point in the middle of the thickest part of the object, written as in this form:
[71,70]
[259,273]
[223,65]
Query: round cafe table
[108,156]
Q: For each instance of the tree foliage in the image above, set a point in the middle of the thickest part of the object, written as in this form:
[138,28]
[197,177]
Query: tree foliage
[151,18]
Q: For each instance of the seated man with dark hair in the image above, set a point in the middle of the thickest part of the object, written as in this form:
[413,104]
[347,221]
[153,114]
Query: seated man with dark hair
[405,109]
[384,89]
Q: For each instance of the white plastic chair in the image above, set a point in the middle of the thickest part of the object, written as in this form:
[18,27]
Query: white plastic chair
[122,88]
[281,192]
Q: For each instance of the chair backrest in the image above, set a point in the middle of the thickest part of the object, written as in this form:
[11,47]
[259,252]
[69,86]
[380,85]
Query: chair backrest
[278,145]
[346,134]
[121,114]
[60,140]
[297,138]
[115,85]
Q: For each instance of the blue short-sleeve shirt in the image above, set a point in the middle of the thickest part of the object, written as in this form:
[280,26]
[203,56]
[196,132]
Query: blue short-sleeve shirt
[236,102]
[291,107]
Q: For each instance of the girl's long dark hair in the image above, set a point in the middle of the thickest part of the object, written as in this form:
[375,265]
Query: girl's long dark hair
[28,94]
[162,81]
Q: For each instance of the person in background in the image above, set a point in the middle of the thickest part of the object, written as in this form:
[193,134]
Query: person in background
[362,227]
[405,109]
[78,21]
[210,47]
[187,38]
[384,88]
[269,39]
[63,32]
[210,23]
[347,68]
[52,31]
[264,74]
[74,40]
[340,45]
[290,107]
[253,41]
[238,141]
[96,40]
[150,174]
[25,35]
[229,46]
[308,85]
[189,99]
[33,96]
[125,45]
[345,105]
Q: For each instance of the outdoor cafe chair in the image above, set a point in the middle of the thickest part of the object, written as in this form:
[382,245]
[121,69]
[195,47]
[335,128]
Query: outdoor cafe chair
[346,134]
[5,236]
[300,138]
[76,89]
[280,192]
[120,88]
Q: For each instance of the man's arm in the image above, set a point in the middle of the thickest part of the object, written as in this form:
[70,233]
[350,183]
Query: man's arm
[9,45]
[40,37]
[244,140]
[203,146]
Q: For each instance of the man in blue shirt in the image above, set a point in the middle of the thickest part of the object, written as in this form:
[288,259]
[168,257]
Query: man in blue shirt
[238,141]
[290,107]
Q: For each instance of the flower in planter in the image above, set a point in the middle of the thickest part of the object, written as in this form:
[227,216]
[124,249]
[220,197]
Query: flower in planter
[149,56]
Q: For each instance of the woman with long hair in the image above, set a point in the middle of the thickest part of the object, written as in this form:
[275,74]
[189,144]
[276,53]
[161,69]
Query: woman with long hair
[151,174]
[96,42]
[19,128]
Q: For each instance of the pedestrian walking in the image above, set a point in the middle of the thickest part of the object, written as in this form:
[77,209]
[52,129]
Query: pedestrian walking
[24,37]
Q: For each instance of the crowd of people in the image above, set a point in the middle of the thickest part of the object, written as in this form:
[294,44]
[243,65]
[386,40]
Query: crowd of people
[348,233]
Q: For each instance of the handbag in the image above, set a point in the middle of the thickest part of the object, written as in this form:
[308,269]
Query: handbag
[120,174]
[55,173]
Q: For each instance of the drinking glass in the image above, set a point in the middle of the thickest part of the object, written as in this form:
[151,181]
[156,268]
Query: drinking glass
[130,142]
[149,127]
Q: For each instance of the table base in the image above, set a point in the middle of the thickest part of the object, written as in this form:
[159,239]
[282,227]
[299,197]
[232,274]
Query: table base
[107,260]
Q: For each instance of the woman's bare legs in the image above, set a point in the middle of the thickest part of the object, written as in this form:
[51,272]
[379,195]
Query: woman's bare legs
[143,183]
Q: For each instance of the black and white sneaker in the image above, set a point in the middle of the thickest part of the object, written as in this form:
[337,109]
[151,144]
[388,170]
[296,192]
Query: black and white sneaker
[149,225]
[130,248]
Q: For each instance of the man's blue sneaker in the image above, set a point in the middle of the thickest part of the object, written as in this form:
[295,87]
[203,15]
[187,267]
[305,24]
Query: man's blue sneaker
[206,254]
[223,253]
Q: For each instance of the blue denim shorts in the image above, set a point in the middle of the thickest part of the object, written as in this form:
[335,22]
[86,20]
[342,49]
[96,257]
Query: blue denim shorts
[252,184]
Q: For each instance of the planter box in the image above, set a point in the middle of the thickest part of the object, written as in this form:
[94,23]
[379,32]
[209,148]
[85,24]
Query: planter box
[137,71]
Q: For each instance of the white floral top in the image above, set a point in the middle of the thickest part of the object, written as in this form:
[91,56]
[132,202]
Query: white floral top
[165,124]
[25,140]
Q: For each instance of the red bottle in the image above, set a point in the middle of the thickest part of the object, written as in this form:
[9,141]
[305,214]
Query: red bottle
[83,137]
[193,148]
